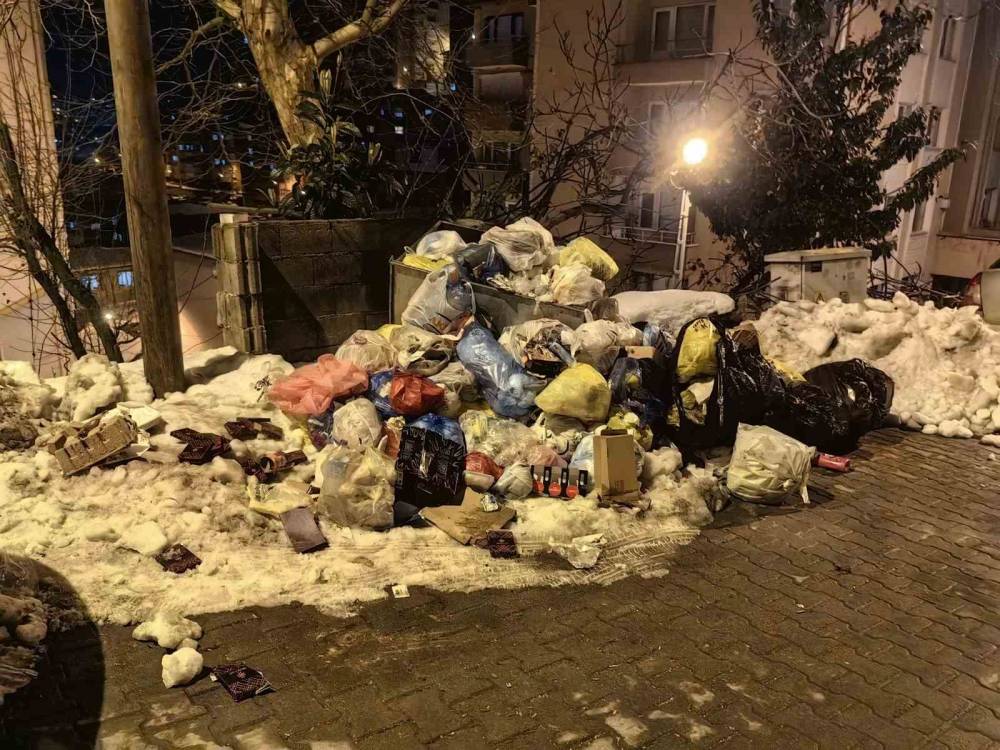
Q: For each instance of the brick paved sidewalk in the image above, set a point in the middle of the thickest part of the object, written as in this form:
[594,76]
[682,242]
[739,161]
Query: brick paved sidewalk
[869,620]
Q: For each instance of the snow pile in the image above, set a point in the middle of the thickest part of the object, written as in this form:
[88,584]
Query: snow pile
[100,529]
[672,308]
[945,362]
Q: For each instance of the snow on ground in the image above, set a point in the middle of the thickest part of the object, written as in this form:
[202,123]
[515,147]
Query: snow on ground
[945,362]
[79,526]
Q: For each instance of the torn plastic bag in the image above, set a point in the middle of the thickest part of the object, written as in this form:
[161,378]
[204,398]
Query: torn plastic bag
[503,440]
[309,390]
[459,389]
[574,285]
[622,420]
[356,424]
[378,393]
[582,250]
[442,303]
[481,262]
[508,388]
[541,345]
[357,488]
[580,392]
[599,342]
[368,350]
[440,244]
[544,455]
[413,395]
[420,351]
[637,384]
[430,471]
[768,466]
[449,429]
[523,244]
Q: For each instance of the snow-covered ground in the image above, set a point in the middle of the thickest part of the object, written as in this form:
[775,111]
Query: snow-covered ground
[945,362]
[82,526]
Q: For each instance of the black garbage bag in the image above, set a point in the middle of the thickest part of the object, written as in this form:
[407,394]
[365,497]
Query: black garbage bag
[480,262]
[838,403]
[638,385]
[430,471]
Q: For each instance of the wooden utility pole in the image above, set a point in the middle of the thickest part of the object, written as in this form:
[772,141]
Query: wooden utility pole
[130,44]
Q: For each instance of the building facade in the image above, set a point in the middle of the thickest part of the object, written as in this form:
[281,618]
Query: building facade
[669,50]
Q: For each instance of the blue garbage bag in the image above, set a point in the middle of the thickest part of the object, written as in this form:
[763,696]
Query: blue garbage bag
[509,389]
[378,393]
[447,428]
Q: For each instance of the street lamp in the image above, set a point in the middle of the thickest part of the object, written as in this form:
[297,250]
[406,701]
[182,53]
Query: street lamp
[693,153]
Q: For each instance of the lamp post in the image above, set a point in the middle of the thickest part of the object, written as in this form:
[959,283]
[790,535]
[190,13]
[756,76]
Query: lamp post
[693,153]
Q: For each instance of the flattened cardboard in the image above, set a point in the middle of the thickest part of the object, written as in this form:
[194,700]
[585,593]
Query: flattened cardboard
[467,522]
[614,467]
[302,530]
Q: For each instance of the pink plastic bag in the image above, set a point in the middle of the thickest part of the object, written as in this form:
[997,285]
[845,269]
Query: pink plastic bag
[309,390]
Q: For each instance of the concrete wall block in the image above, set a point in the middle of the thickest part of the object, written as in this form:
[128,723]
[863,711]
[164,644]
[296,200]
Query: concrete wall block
[251,339]
[337,328]
[286,273]
[339,268]
[287,335]
[240,310]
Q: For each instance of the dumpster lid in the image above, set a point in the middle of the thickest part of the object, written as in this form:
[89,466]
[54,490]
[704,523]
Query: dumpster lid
[818,254]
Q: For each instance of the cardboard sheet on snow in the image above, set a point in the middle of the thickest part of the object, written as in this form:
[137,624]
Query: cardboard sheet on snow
[467,522]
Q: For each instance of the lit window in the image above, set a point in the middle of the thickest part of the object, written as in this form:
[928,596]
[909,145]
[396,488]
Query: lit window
[684,31]
[453,86]
[71,224]
[125,279]
[428,111]
[215,136]
[175,158]
[399,130]
[91,282]
[947,48]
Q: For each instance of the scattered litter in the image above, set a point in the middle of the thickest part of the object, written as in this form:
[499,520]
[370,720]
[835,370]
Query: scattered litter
[469,521]
[400,591]
[240,681]
[581,552]
[302,530]
[501,544]
[177,559]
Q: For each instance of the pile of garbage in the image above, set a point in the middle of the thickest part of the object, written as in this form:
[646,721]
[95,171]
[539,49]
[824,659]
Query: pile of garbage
[945,362]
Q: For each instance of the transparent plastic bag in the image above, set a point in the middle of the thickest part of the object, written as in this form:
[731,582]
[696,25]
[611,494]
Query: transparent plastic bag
[368,350]
[357,424]
[420,351]
[768,466]
[523,244]
[599,342]
[503,440]
[357,488]
[574,285]
[442,302]
[508,388]
[441,244]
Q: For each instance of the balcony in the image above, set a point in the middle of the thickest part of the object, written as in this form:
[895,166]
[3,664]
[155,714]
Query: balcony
[498,53]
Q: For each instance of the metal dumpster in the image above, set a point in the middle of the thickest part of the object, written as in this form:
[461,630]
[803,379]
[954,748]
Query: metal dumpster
[502,307]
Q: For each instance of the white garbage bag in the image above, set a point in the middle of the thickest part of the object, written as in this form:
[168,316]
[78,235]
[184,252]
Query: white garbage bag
[599,342]
[574,285]
[767,466]
[358,488]
[523,244]
[441,244]
[442,302]
[356,424]
[369,350]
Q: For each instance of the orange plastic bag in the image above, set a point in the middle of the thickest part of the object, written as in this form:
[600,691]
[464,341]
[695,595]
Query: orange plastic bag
[414,395]
[309,390]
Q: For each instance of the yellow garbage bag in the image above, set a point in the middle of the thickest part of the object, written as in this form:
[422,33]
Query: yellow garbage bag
[579,391]
[385,331]
[786,371]
[697,357]
[425,262]
[582,250]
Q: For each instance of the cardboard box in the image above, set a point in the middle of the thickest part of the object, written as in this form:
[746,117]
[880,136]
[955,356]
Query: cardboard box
[614,467]
[468,522]
[640,352]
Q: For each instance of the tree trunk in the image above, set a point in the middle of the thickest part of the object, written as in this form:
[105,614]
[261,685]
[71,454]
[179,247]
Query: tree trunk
[287,70]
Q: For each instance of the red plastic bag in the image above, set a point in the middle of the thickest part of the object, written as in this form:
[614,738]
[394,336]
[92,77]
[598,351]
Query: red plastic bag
[309,390]
[482,464]
[414,395]
[544,455]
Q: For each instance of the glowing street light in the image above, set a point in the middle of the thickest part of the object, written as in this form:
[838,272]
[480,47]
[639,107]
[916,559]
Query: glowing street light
[693,152]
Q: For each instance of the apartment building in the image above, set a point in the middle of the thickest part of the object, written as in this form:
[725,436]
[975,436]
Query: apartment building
[669,49]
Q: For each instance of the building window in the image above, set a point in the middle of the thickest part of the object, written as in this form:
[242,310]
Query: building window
[933,126]
[947,49]
[684,30]
[125,279]
[647,210]
[919,214]
[90,281]
[399,130]
[506,28]
[902,110]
